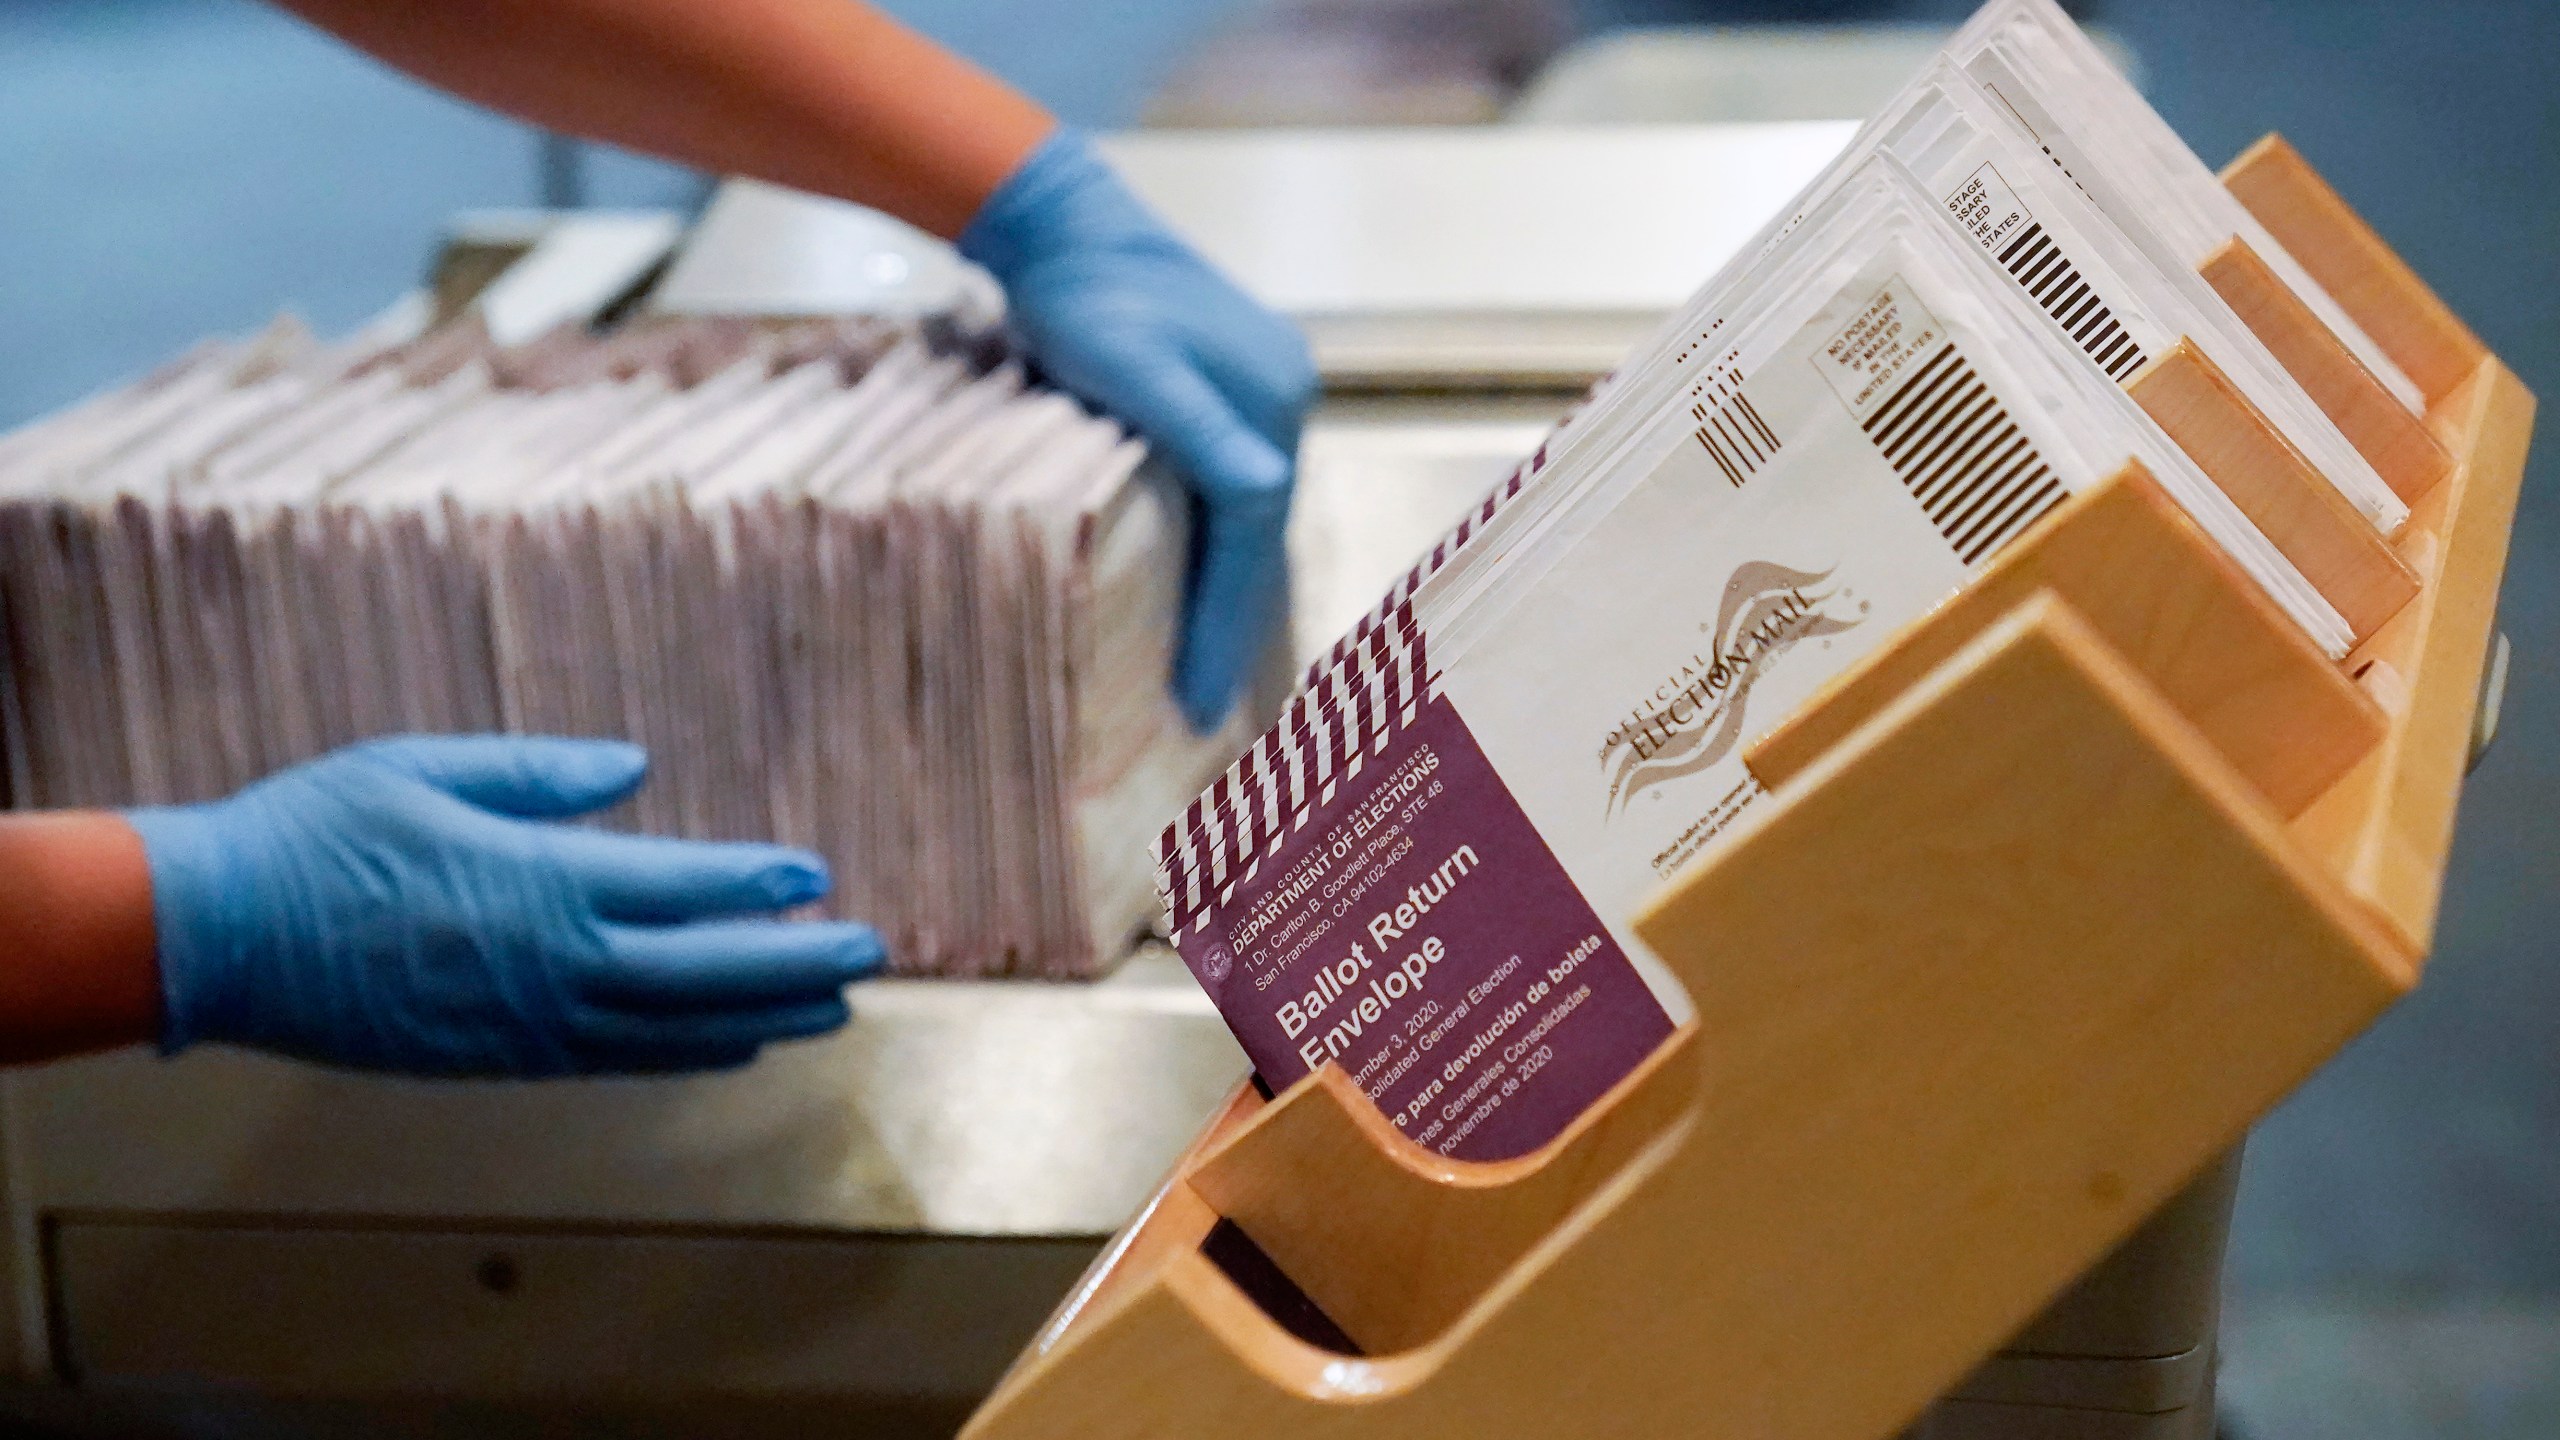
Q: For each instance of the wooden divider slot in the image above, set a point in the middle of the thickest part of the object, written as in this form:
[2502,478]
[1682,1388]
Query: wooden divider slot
[1172,1223]
[2166,597]
[2382,429]
[2366,277]
[2297,509]
[1392,1242]
[2388,825]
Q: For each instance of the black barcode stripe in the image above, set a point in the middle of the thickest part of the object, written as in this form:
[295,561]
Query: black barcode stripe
[2030,247]
[2086,329]
[2030,505]
[1752,413]
[1950,496]
[1945,404]
[2069,301]
[1927,472]
[2047,492]
[1963,419]
[1947,499]
[2111,337]
[2082,322]
[2056,276]
[1891,413]
[1942,404]
[2018,490]
[1735,435]
[1731,475]
[1993,519]
[1949,459]
[2067,295]
[2041,268]
[1731,429]
[1995,477]
[1974,472]
[2059,289]
[2019,503]
[2018,485]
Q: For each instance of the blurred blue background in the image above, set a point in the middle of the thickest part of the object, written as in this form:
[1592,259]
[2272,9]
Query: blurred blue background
[170,168]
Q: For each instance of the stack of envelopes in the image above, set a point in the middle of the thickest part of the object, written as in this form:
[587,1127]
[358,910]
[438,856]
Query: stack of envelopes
[1426,870]
[854,589]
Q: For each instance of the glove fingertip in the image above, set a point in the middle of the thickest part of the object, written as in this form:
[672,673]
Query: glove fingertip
[798,878]
[1242,473]
[768,876]
[630,755]
[593,773]
[860,953]
[1204,715]
[682,1060]
[1204,686]
[817,1018]
[1229,620]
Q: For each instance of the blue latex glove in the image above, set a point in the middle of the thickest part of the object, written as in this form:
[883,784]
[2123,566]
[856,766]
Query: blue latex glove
[1122,314]
[401,905]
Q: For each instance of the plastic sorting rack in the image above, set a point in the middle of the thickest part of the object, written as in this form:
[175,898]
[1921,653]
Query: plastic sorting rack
[2054,896]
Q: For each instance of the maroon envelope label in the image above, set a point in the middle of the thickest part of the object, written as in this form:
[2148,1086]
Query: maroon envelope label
[1417,931]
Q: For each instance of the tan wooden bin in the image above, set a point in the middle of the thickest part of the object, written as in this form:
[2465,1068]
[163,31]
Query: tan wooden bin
[2115,859]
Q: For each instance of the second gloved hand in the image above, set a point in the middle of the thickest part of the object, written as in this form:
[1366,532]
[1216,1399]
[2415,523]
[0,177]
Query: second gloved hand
[1123,314]
[406,905]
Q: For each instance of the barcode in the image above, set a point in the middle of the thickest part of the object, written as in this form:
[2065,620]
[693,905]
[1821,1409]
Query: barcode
[1961,456]
[2056,284]
[1736,436]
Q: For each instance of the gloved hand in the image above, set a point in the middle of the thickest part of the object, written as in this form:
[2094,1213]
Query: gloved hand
[1125,316]
[401,905]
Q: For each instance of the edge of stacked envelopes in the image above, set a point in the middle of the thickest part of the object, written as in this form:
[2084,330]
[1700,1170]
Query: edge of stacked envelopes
[857,587]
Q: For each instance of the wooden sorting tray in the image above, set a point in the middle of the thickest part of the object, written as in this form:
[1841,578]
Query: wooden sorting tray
[2054,896]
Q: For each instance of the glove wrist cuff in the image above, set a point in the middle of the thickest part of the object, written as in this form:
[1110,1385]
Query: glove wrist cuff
[1064,193]
[191,902]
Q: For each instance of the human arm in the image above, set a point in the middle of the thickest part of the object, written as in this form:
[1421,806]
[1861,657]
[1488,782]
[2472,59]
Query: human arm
[831,96]
[75,928]
[414,905]
[836,97]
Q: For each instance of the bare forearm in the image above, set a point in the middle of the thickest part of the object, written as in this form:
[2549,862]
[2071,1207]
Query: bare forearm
[825,95]
[77,970]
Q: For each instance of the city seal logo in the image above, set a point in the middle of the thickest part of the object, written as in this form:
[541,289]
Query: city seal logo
[1216,962]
